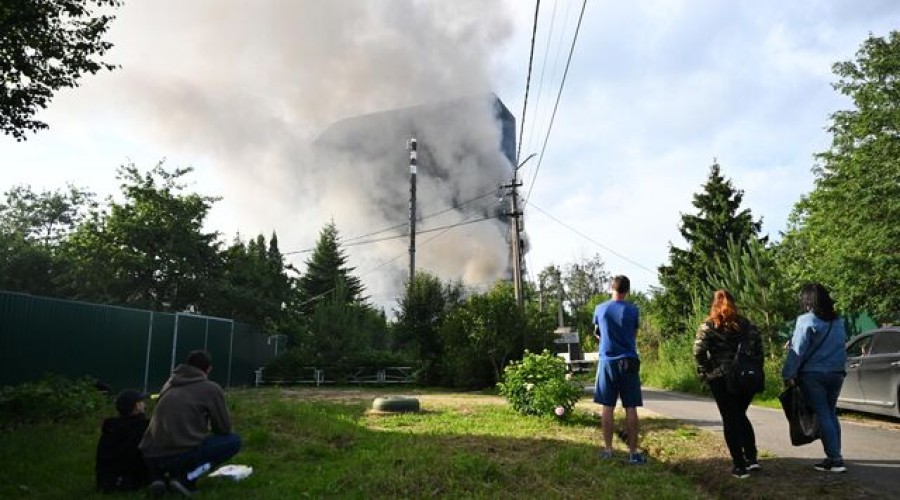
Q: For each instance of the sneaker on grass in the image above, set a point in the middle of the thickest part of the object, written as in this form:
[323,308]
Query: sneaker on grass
[829,465]
[740,472]
[753,466]
[604,454]
[637,459]
[182,487]
[158,488]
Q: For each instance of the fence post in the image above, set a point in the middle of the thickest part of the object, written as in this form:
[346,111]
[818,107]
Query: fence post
[147,361]
[230,352]
[174,343]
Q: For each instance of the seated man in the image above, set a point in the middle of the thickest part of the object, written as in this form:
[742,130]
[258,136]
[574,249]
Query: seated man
[120,466]
[177,447]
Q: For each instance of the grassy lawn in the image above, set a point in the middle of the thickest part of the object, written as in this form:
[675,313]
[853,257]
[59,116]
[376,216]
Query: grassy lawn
[309,443]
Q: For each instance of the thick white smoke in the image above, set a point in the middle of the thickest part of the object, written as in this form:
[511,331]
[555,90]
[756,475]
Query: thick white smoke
[251,85]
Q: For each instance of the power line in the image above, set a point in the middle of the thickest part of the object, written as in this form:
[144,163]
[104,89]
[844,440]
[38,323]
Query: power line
[398,236]
[540,89]
[537,9]
[404,224]
[601,245]
[385,263]
[556,105]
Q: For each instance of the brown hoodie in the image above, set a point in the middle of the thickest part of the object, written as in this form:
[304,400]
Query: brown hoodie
[189,406]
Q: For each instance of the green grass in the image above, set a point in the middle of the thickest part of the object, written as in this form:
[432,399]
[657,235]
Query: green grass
[309,443]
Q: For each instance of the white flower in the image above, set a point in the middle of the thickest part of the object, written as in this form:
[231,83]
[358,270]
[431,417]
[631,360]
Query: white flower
[529,386]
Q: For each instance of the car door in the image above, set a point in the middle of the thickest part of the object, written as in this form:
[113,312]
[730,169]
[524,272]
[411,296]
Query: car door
[880,370]
[851,392]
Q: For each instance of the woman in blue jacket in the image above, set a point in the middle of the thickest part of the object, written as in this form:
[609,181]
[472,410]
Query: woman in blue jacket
[816,362]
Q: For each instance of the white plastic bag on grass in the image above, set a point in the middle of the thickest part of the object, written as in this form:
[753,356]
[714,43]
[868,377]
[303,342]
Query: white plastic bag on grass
[233,472]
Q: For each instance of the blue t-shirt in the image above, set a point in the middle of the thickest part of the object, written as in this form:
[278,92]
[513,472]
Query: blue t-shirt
[618,322]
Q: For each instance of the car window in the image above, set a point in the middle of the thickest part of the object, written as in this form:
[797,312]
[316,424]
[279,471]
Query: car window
[860,347]
[886,342]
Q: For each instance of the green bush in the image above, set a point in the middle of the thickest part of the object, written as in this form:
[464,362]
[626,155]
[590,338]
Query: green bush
[50,399]
[537,385]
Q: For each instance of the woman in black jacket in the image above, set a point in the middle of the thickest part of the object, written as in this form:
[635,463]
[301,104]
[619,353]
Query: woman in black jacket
[715,346]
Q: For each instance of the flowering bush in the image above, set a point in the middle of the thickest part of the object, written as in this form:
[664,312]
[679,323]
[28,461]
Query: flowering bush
[537,385]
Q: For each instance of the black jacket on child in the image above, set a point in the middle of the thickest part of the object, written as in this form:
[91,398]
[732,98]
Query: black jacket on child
[120,465]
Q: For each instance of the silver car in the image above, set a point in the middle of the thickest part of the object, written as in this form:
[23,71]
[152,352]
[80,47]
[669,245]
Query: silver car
[873,373]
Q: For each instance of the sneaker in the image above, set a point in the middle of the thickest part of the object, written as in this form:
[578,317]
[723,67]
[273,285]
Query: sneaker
[829,465]
[181,487]
[637,459]
[604,454]
[157,488]
[753,466]
[740,472]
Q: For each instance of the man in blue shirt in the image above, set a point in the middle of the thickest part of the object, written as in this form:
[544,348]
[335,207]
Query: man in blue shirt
[616,321]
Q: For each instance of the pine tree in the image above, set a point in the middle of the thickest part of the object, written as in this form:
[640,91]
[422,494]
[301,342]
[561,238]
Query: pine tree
[718,221]
[326,271]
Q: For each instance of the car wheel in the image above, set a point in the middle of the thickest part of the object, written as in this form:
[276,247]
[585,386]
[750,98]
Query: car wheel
[396,404]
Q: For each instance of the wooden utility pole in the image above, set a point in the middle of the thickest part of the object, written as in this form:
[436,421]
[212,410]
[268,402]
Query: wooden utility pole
[516,235]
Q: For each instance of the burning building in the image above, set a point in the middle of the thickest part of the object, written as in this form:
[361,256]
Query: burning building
[466,152]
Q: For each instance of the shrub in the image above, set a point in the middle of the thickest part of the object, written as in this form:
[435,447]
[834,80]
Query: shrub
[537,385]
[51,398]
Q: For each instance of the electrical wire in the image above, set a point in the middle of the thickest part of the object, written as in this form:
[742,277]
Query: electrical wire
[385,263]
[398,236]
[556,105]
[537,9]
[404,224]
[601,245]
[540,89]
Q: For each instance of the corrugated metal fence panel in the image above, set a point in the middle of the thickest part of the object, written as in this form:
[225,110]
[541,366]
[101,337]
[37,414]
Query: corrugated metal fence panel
[121,347]
[16,343]
[251,351]
[75,339]
[160,356]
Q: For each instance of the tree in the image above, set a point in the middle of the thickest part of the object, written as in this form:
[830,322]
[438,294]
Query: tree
[491,328]
[32,227]
[253,285]
[421,314]
[755,281]
[46,45]
[47,217]
[844,234]
[149,251]
[585,280]
[326,269]
[718,221]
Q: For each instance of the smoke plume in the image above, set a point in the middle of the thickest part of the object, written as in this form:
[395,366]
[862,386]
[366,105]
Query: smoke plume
[253,86]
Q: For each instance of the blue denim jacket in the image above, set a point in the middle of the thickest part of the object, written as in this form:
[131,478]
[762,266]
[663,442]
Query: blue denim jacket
[830,356]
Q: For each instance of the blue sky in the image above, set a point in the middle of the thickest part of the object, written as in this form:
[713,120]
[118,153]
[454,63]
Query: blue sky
[655,91]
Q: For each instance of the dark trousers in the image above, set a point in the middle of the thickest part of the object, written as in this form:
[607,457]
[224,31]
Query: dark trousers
[189,465]
[739,435]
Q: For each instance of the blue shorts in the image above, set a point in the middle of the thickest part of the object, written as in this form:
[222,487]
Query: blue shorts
[613,383]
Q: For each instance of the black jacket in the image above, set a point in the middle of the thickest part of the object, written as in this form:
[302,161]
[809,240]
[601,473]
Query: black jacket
[120,465]
[714,348]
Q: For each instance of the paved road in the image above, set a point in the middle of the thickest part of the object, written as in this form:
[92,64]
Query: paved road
[871,451]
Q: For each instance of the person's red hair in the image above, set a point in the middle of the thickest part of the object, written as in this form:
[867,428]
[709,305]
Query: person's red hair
[723,311]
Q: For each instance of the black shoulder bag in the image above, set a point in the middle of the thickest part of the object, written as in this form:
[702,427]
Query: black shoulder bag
[746,375]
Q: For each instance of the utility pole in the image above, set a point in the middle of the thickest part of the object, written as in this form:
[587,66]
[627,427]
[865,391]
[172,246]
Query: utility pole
[412,209]
[516,231]
[516,237]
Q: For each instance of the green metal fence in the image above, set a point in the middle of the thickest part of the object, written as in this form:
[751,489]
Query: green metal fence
[119,346]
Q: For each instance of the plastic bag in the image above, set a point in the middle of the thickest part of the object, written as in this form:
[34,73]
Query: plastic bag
[233,472]
[803,424]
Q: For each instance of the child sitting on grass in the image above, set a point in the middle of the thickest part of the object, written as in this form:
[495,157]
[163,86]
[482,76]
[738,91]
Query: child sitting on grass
[120,465]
